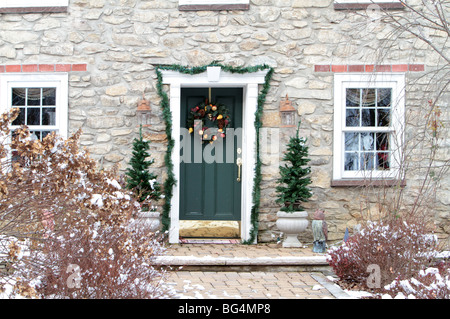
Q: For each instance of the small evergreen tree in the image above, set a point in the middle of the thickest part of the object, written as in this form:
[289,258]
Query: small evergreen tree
[139,179]
[293,185]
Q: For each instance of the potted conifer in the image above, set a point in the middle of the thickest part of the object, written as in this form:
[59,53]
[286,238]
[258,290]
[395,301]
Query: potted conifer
[293,190]
[143,183]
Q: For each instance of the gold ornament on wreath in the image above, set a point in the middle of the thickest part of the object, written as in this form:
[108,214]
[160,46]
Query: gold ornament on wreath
[208,121]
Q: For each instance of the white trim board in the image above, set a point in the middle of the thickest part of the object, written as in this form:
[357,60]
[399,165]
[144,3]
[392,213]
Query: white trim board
[249,82]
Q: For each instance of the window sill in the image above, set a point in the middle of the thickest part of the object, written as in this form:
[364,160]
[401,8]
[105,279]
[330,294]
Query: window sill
[364,6]
[368,183]
[213,7]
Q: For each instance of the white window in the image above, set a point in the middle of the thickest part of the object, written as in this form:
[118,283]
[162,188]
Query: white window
[42,100]
[368,125]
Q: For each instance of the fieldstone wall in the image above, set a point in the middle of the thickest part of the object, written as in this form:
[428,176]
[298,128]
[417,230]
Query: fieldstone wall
[122,41]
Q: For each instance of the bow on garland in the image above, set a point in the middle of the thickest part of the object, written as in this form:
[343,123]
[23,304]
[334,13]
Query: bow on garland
[208,114]
[165,106]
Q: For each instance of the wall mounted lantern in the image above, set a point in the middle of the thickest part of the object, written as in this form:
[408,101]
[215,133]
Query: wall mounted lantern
[143,112]
[287,112]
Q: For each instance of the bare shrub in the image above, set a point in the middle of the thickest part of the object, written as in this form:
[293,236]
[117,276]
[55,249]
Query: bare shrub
[430,283]
[57,213]
[400,250]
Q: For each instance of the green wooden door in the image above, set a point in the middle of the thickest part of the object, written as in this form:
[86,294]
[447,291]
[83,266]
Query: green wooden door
[209,189]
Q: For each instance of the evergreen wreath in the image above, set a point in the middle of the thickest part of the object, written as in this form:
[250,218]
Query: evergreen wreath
[206,114]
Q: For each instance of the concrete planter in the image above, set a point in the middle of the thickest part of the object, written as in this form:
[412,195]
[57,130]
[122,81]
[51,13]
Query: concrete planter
[292,224]
[149,220]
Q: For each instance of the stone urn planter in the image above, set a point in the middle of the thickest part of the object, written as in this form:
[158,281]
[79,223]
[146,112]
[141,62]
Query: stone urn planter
[149,220]
[291,224]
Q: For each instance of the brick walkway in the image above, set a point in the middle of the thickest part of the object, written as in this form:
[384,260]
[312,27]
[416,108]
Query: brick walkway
[232,271]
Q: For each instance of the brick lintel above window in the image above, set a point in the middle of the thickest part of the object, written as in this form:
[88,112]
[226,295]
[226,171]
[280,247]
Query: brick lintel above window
[24,68]
[216,5]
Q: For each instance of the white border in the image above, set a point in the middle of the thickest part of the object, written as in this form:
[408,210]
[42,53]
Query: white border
[249,82]
[60,81]
[396,81]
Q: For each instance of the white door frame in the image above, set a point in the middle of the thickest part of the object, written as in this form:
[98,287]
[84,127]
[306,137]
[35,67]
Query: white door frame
[249,82]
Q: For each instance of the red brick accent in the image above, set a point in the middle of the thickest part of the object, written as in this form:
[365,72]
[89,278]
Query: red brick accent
[29,68]
[13,68]
[46,67]
[338,68]
[63,67]
[43,67]
[370,68]
[322,68]
[79,67]
[356,68]
[399,67]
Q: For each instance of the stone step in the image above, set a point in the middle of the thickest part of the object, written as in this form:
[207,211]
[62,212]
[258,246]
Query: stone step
[281,263]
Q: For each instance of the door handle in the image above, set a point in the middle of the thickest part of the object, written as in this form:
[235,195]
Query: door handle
[239,164]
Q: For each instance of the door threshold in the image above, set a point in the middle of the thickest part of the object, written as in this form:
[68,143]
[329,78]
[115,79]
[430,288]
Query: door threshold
[210,229]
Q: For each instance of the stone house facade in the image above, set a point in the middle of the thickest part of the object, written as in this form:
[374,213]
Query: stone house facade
[90,62]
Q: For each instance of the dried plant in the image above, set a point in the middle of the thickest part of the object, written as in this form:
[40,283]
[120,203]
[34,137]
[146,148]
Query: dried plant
[57,211]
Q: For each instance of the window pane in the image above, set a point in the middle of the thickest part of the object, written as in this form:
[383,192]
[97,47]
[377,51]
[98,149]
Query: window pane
[33,116]
[352,117]
[367,142]
[352,97]
[49,96]
[351,162]
[352,141]
[367,161]
[20,120]
[18,96]
[383,160]
[384,117]
[384,97]
[39,135]
[368,117]
[382,141]
[48,116]
[368,98]
[34,96]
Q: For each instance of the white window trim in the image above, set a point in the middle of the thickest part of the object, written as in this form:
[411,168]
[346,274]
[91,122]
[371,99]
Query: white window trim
[60,81]
[396,81]
[249,82]
[33,3]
